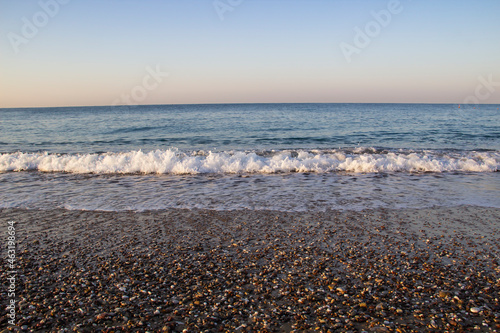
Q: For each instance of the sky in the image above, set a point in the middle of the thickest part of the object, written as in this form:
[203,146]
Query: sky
[113,52]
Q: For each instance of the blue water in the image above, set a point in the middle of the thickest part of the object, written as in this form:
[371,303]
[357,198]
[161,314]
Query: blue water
[256,156]
[249,126]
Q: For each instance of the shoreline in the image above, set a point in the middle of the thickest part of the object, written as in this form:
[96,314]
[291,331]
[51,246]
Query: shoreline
[434,269]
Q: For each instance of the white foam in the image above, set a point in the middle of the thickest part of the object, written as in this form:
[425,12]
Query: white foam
[173,161]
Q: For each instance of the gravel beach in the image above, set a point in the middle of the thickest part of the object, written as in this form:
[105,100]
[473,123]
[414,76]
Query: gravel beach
[430,270]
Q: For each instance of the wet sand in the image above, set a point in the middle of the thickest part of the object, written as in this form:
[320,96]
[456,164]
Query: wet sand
[431,270]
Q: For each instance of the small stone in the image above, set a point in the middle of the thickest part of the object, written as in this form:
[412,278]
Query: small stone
[475,310]
[101,316]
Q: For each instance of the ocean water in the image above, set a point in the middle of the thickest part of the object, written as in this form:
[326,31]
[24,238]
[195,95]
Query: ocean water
[291,157]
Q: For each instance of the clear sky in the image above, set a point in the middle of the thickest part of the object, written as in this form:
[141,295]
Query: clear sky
[96,52]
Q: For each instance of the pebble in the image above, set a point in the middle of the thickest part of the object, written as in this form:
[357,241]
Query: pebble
[198,271]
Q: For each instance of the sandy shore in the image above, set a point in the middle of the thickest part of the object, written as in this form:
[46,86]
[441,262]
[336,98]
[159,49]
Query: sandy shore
[431,270]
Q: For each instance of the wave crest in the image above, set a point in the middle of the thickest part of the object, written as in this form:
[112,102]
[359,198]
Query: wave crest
[173,161]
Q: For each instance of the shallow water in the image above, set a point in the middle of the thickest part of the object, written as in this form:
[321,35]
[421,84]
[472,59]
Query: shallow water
[290,157]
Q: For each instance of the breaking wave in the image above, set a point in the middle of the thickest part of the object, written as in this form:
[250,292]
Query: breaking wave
[173,161]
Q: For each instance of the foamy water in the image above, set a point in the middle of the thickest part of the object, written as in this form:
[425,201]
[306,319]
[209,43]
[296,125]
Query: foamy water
[173,161]
[250,156]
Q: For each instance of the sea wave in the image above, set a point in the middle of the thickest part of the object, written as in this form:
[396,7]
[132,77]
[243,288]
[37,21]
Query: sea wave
[173,161]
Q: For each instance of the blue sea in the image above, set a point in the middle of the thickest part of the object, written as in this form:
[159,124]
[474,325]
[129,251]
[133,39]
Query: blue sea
[287,157]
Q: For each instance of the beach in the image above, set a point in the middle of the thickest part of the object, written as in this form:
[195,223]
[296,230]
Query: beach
[250,166]
[198,270]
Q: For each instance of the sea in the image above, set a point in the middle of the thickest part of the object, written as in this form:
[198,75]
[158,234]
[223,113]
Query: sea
[285,157]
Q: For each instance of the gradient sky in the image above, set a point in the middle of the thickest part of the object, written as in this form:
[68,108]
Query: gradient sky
[94,52]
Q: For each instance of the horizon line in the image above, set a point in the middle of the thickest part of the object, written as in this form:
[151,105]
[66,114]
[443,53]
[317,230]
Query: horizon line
[246,103]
